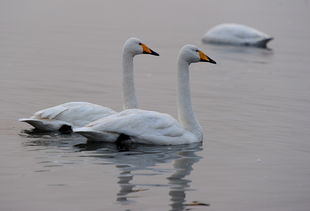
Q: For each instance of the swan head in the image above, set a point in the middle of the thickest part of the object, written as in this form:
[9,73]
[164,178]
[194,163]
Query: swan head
[134,46]
[192,54]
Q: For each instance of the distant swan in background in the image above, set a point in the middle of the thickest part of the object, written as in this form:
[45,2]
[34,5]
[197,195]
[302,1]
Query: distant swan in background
[236,34]
[70,115]
[150,127]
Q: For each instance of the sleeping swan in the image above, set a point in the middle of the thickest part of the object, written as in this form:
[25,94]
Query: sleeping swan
[70,115]
[150,127]
[236,34]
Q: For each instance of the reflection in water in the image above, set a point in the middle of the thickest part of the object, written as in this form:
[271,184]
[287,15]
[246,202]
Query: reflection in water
[243,54]
[38,140]
[130,159]
[179,185]
[145,157]
[125,186]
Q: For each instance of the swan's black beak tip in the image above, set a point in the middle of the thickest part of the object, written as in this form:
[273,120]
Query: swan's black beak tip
[147,50]
[208,60]
[154,53]
[212,61]
[150,52]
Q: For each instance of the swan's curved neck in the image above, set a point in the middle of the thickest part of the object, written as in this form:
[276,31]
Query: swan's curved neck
[185,111]
[129,93]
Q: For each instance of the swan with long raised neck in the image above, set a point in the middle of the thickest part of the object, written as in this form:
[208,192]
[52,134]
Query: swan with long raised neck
[67,116]
[150,127]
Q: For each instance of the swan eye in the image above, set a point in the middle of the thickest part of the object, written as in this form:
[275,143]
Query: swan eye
[140,43]
[197,50]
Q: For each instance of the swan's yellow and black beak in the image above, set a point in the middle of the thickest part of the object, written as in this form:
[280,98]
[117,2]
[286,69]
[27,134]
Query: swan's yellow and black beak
[147,50]
[205,58]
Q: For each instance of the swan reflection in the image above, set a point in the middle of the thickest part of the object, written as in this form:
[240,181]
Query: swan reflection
[143,157]
[178,184]
[131,161]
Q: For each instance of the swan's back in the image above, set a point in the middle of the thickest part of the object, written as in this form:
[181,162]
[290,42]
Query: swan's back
[147,127]
[79,113]
[236,34]
[72,114]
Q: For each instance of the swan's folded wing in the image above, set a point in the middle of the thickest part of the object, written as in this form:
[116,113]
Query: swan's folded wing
[50,113]
[75,113]
[140,124]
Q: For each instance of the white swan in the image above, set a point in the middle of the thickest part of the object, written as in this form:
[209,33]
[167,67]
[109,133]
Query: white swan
[236,34]
[70,115]
[150,127]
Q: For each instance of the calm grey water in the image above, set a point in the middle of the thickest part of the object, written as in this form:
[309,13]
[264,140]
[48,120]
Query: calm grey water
[254,106]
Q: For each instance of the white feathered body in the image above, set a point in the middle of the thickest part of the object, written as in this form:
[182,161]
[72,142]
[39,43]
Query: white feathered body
[73,114]
[236,34]
[146,127]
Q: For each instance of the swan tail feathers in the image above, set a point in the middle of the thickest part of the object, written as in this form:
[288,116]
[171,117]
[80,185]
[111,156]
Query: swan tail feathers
[263,43]
[45,125]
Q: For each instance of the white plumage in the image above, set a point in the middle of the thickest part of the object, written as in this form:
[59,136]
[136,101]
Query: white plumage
[236,34]
[147,127]
[73,114]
